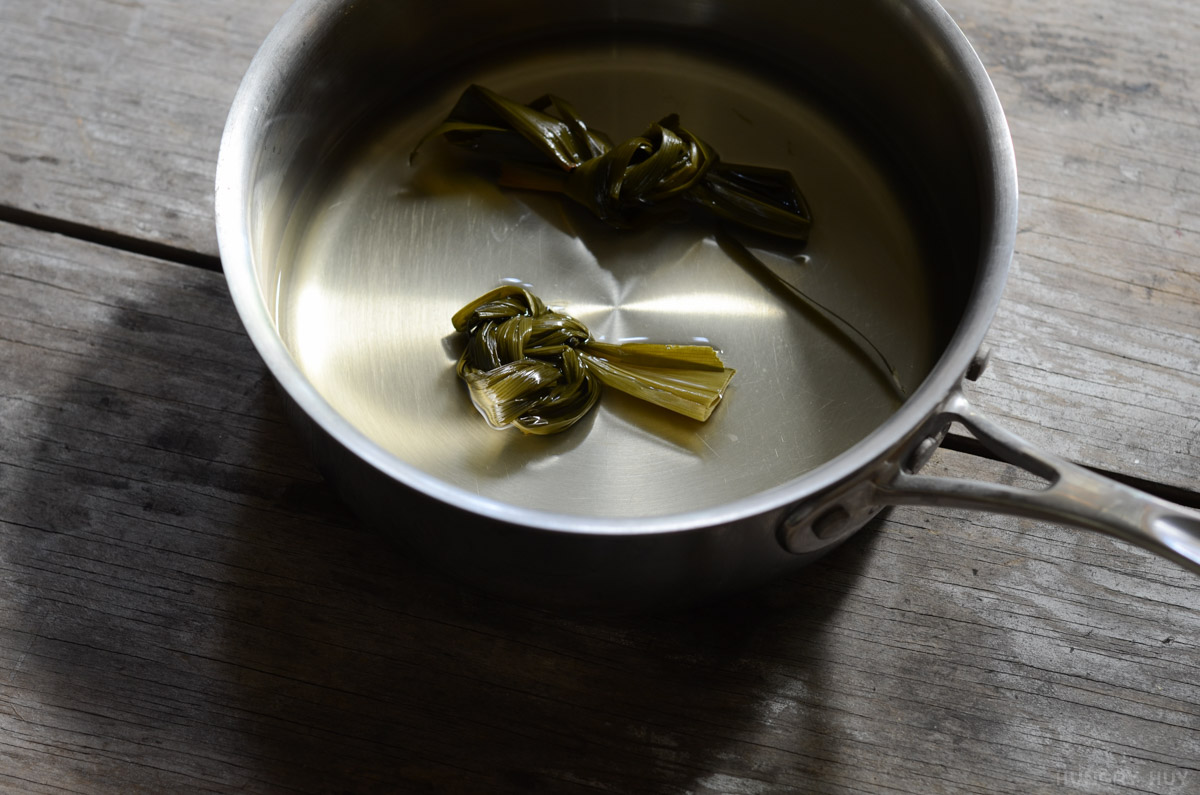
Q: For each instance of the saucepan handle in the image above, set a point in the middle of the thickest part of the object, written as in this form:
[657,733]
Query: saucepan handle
[1073,495]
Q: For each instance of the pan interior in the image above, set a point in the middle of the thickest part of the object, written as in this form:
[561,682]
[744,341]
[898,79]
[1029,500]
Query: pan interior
[382,253]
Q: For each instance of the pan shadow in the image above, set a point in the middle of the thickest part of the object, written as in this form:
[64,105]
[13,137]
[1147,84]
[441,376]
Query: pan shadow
[393,675]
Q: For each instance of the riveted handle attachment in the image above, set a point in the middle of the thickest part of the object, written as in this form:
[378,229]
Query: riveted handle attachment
[1073,495]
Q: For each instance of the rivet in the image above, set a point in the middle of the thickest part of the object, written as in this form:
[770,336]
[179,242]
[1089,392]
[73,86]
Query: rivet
[979,364]
[923,452]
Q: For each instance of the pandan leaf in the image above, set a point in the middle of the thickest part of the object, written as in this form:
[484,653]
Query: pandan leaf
[689,391]
[538,370]
[664,168]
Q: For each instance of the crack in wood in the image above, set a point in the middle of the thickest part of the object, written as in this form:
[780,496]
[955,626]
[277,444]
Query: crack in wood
[108,238]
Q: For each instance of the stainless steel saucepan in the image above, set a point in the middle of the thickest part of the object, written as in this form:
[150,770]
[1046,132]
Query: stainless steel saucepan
[346,261]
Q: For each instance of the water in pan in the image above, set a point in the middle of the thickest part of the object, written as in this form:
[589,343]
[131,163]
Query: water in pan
[390,251]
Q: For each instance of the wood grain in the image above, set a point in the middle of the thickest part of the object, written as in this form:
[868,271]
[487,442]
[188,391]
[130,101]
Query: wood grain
[1097,341]
[185,606]
[111,111]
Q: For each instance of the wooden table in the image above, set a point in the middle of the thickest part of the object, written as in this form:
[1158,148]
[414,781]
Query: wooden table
[185,606]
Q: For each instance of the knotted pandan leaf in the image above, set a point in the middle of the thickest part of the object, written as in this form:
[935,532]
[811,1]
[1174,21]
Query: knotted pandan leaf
[662,170]
[539,370]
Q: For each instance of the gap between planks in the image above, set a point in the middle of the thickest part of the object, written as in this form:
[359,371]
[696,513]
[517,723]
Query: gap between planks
[109,239]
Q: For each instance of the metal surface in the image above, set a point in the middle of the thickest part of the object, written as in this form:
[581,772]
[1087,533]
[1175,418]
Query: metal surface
[345,266]
[391,250]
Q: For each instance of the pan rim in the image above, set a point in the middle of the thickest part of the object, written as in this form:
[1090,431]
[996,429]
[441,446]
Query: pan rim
[286,43]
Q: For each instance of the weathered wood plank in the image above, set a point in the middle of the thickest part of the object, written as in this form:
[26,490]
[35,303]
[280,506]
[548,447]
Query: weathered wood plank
[1097,342]
[111,114]
[186,606]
